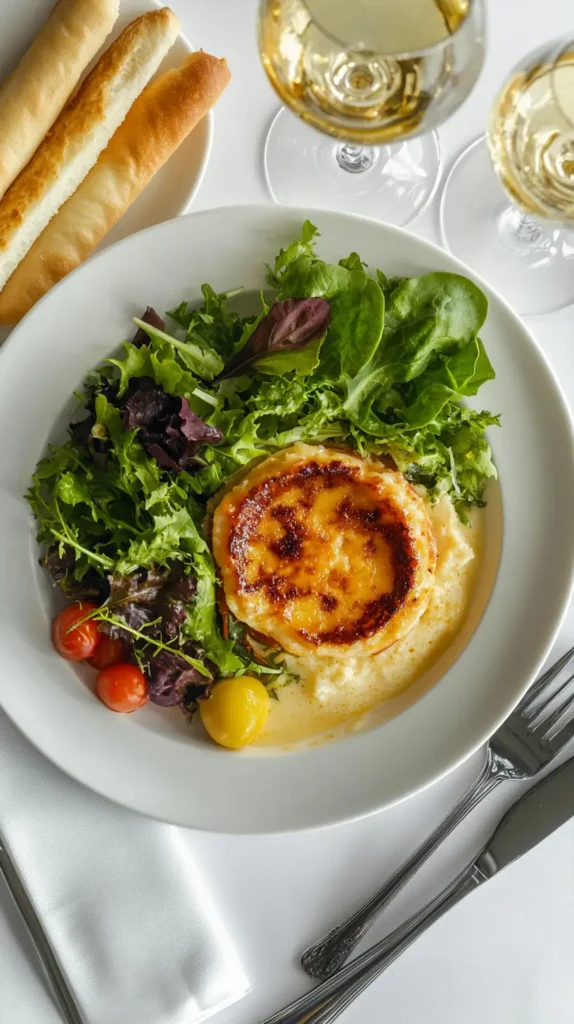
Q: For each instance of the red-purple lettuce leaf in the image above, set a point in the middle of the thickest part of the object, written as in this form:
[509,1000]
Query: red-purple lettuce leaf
[61,562]
[290,328]
[169,430]
[155,595]
[171,680]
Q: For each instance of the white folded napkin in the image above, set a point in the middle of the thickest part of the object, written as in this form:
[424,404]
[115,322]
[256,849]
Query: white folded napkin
[121,901]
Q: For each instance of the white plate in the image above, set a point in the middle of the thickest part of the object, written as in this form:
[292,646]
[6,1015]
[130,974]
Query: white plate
[172,189]
[154,763]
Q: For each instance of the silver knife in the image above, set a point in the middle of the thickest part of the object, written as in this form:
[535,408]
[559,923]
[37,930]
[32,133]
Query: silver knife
[543,809]
[48,961]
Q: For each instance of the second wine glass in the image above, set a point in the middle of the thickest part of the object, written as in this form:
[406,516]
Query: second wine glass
[508,203]
[376,75]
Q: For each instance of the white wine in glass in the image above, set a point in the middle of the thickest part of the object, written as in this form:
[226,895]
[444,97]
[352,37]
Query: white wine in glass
[531,138]
[372,73]
[521,238]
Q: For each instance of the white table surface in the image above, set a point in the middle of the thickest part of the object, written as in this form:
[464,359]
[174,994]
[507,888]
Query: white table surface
[507,953]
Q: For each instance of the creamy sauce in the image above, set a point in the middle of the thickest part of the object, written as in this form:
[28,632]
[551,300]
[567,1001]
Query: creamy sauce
[334,696]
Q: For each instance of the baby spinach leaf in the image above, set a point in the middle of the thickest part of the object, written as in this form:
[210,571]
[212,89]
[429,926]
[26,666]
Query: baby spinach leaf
[356,325]
[449,379]
[424,316]
[434,313]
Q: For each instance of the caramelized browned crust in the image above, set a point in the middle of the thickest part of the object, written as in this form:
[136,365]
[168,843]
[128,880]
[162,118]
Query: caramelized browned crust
[359,512]
[325,551]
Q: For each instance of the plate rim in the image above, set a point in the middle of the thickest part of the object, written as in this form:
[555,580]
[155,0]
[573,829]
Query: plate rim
[567,584]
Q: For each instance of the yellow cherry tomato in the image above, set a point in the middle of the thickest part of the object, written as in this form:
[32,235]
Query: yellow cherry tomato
[236,712]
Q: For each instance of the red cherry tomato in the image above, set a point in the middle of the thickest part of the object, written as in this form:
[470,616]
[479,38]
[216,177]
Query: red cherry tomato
[72,641]
[108,652]
[122,687]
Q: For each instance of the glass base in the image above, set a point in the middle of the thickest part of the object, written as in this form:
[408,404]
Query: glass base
[529,261]
[392,183]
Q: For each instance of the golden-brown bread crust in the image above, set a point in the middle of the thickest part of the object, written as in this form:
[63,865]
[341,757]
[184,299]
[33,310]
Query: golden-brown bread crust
[85,111]
[162,116]
[35,93]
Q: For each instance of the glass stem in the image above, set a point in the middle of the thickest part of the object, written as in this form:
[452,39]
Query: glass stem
[355,159]
[518,228]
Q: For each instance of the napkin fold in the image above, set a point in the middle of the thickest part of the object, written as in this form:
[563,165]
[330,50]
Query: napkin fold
[126,912]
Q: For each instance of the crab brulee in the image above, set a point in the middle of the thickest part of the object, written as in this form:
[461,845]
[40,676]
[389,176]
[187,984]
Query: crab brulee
[339,563]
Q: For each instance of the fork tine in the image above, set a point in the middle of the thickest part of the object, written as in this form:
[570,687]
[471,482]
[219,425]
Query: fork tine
[547,724]
[561,738]
[549,698]
[540,685]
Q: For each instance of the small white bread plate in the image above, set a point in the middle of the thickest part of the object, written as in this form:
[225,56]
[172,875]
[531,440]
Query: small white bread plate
[149,762]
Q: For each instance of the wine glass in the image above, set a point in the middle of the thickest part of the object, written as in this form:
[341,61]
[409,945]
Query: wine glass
[374,74]
[521,236]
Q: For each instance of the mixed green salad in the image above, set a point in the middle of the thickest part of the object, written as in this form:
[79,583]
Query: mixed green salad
[336,354]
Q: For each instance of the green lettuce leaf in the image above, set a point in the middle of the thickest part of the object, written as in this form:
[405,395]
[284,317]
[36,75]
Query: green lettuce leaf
[302,361]
[356,304]
[300,247]
[204,362]
[424,317]
[449,379]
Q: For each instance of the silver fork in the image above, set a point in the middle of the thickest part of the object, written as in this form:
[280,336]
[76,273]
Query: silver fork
[519,749]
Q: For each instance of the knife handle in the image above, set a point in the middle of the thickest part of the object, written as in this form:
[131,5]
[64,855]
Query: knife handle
[326,1001]
[48,961]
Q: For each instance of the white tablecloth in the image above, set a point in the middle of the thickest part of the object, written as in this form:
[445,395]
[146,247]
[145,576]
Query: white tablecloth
[507,953]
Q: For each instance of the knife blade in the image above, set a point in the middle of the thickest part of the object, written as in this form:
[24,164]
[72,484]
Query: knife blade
[535,816]
[542,810]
